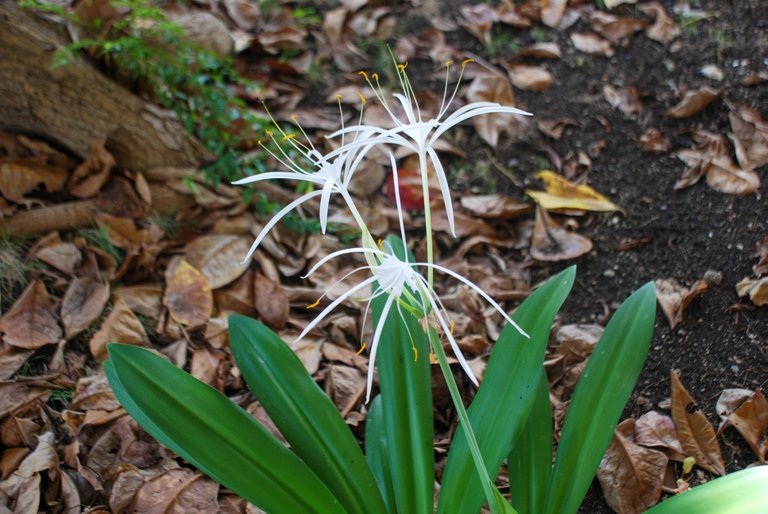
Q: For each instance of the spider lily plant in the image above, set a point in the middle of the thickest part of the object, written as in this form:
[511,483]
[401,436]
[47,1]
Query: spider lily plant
[324,470]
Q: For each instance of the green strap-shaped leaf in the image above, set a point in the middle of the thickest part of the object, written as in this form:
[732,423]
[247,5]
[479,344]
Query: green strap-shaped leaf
[599,399]
[304,414]
[207,429]
[376,452]
[406,397]
[743,492]
[530,461]
[504,400]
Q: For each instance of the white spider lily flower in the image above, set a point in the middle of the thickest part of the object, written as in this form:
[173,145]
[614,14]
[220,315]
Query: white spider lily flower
[400,280]
[331,174]
[419,135]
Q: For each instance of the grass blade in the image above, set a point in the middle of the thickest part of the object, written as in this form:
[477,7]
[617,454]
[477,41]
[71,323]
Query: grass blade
[207,429]
[599,399]
[304,414]
[504,400]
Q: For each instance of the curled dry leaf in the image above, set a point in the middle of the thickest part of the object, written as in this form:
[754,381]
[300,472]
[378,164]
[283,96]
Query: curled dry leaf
[750,136]
[11,359]
[219,257]
[555,128]
[544,50]
[63,256]
[675,298]
[551,242]
[120,326]
[494,206]
[656,430]
[613,27]
[82,304]
[552,11]
[271,302]
[345,385]
[478,20]
[187,294]
[494,87]
[693,102]
[664,29]
[697,437]
[653,140]
[757,289]
[144,300]
[711,158]
[630,475]
[563,194]
[530,78]
[20,176]
[761,252]
[176,491]
[90,176]
[751,420]
[627,99]
[31,322]
[22,492]
[591,44]
[509,14]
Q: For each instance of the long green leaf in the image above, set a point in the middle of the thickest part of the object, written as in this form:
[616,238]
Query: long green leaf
[304,414]
[743,492]
[376,452]
[207,429]
[504,400]
[599,399]
[406,397]
[530,461]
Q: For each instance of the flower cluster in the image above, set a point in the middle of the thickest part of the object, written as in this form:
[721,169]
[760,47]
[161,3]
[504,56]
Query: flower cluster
[397,278]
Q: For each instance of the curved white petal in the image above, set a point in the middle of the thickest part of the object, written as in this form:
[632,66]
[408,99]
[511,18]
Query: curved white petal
[407,107]
[465,113]
[276,218]
[444,190]
[325,201]
[344,251]
[396,185]
[274,175]
[333,305]
[455,346]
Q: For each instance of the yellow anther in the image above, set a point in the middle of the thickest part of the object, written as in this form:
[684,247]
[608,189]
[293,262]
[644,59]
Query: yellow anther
[415,353]
[258,142]
[432,359]
[380,243]
[466,61]
[288,136]
[453,326]
[269,133]
[293,117]
[364,74]
[338,97]
[448,63]
[401,67]
[313,305]
[375,76]
[362,347]
[362,98]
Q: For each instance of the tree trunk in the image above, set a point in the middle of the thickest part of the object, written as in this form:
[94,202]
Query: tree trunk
[75,104]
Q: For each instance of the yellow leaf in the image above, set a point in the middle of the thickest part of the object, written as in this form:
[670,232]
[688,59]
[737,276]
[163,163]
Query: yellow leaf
[563,194]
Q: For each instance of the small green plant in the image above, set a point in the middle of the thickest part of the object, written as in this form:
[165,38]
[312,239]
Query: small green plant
[502,42]
[99,237]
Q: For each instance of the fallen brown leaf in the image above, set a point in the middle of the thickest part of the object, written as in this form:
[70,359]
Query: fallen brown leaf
[64,256]
[120,326]
[179,490]
[555,128]
[544,50]
[751,420]
[693,102]
[23,493]
[11,359]
[20,176]
[90,176]
[563,194]
[552,11]
[675,298]
[494,206]
[697,437]
[757,289]
[271,302]
[728,401]
[551,242]
[627,99]
[591,44]
[655,430]
[653,140]
[630,475]
[31,322]
[219,257]
[82,304]
[494,87]
[187,294]
[711,158]
[761,252]
[529,78]
[614,28]
[750,136]
[664,29]
[509,14]
[145,300]
[478,20]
